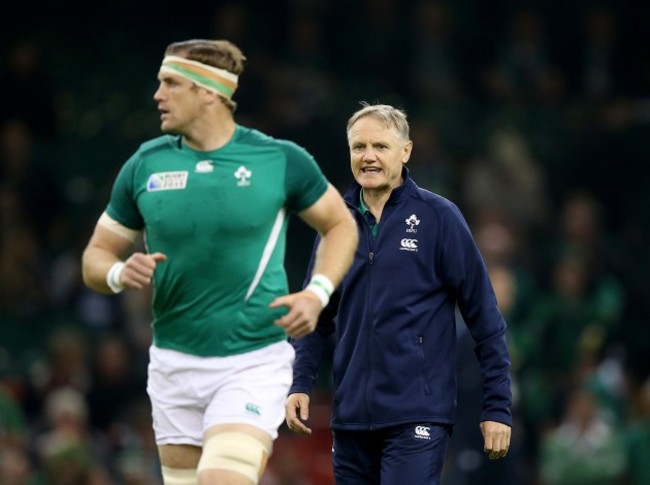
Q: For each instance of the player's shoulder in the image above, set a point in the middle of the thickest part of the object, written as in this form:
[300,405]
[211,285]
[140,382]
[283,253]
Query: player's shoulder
[149,150]
[158,144]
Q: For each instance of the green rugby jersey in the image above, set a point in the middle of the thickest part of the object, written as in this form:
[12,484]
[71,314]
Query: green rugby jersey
[221,219]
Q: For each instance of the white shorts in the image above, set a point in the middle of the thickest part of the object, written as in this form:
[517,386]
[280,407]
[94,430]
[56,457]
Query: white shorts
[190,394]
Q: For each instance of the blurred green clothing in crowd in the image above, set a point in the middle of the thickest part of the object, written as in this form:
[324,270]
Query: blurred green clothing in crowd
[585,448]
[12,419]
[637,439]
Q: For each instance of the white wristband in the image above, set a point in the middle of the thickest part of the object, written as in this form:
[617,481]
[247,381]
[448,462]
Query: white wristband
[113,277]
[322,287]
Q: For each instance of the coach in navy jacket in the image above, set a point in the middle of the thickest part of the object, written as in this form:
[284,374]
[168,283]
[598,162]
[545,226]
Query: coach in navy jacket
[393,318]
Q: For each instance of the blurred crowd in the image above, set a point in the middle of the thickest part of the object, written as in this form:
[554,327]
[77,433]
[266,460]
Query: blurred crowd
[534,117]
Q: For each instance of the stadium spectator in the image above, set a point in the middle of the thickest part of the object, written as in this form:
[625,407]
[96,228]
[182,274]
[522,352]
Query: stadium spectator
[584,448]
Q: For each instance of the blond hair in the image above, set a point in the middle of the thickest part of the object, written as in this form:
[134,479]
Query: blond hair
[391,117]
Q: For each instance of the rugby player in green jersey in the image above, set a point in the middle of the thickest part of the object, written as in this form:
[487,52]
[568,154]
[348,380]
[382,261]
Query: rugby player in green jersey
[212,200]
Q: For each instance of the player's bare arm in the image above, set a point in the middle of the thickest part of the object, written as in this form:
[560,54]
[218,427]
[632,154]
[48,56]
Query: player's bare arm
[339,238]
[107,247]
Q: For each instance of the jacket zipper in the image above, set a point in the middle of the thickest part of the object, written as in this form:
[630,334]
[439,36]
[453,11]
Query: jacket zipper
[423,360]
[371,256]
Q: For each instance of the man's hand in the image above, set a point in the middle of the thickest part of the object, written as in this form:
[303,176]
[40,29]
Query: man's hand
[304,308]
[139,268]
[298,402]
[496,439]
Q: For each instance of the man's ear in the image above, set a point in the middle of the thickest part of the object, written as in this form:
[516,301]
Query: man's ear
[408,148]
[209,97]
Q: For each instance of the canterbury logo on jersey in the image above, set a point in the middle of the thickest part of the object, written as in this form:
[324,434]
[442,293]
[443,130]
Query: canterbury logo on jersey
[204,166]
[408,244]
[167,181]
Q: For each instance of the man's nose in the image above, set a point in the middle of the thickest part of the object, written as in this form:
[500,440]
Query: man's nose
[157,96]
[369,155]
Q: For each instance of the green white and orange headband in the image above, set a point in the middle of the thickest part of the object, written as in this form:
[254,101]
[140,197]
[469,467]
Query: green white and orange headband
[213,79]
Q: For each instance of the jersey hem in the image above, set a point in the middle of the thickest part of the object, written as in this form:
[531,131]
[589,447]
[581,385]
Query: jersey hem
[219,353]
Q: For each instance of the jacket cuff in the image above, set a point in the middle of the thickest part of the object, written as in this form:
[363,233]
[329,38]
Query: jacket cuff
[500,417]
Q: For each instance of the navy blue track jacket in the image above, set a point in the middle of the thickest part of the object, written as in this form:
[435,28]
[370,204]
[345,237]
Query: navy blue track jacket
[393,319]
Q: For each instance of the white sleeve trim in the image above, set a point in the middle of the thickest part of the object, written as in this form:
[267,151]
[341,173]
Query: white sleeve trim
[112,225]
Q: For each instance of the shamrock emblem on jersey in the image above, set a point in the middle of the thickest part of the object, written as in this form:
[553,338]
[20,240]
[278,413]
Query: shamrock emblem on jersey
[243,176]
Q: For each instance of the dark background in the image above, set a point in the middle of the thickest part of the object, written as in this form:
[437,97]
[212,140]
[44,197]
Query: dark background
[534,117]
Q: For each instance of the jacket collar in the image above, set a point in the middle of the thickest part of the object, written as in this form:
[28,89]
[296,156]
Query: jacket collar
[408,186]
